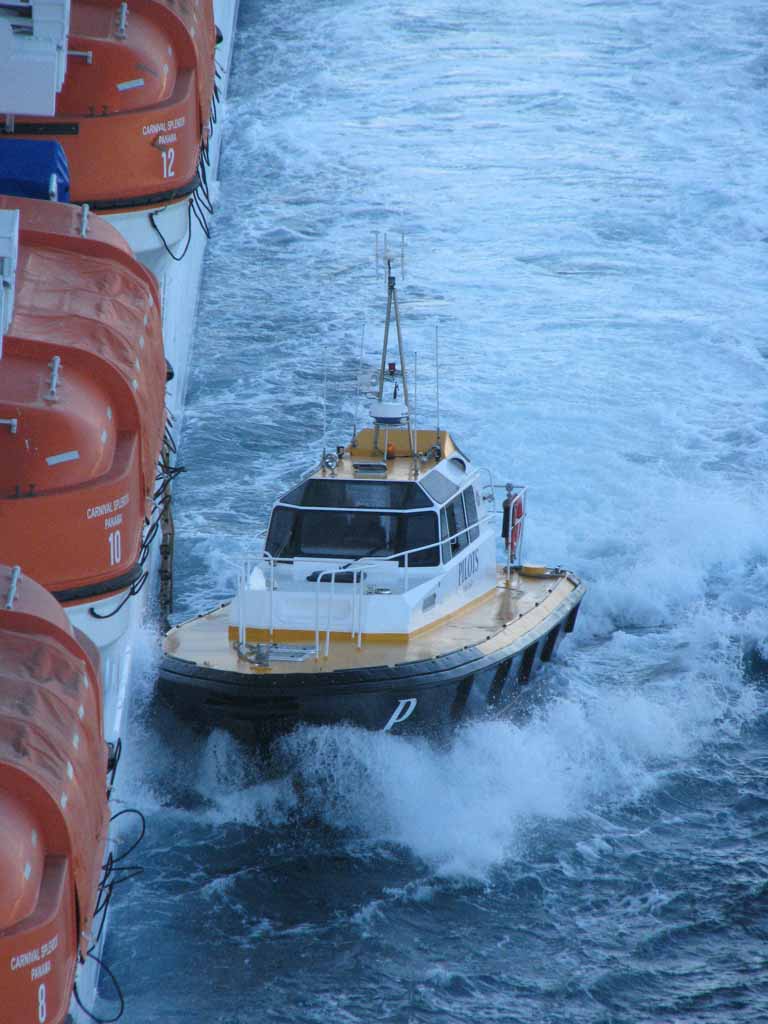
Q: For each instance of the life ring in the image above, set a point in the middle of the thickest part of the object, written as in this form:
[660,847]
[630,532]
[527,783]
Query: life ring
[511,531]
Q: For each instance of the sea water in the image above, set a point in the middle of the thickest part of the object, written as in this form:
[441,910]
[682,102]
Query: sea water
[573,198]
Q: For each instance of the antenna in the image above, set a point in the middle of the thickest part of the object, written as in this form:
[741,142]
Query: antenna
[359,378]
[415,386]
[381,252]
[401,353]
[325,406]
[437,378]
[412,418]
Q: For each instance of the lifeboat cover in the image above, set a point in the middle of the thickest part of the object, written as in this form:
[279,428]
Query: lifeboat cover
[53,763]
[90,294]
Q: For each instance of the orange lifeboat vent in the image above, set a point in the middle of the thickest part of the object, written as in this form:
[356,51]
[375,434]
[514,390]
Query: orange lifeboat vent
[82,404]
[53,804]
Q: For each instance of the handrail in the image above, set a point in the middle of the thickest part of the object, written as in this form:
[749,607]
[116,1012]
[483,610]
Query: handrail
[518,492]
[359,576]
[382,558]
[490,486]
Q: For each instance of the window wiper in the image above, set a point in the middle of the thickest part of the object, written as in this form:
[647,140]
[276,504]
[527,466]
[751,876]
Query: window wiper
[349,577]
[368,554]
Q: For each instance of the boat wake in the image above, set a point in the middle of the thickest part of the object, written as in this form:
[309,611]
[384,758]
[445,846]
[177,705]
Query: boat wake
[582,744]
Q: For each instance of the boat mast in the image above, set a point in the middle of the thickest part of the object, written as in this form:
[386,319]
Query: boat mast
[393,304]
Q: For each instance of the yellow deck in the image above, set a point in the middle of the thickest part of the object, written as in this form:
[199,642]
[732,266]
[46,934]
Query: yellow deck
[533,603]
[401,465]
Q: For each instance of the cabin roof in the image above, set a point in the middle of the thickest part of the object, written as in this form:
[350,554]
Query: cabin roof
[400,468]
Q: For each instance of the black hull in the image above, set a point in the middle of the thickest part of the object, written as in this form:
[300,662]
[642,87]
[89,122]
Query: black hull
[425,697]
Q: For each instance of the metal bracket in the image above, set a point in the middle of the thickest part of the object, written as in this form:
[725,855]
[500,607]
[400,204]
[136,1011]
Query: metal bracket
[87,55]
[54,366]
[15,574]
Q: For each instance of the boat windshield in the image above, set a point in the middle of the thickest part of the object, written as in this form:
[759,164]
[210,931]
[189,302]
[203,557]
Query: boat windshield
[329,493]
[320,533]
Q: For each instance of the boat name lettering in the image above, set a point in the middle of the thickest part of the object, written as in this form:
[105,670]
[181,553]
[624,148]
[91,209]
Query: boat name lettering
[41,970]
[96,511]
[160,127]
[25,959]
[112,521]
[166,140]
[469,567]
[33,956]
[404,709]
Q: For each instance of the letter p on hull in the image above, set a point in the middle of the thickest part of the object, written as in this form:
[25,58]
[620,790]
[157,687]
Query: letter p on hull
[404,709]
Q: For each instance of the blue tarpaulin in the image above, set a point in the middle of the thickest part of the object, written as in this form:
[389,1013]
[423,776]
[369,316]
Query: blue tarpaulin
[26,166]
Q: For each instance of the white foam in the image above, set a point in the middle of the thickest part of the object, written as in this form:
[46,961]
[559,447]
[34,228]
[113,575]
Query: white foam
[467,809]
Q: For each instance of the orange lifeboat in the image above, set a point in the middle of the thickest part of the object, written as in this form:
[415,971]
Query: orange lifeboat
[82,404]
[53,800]
[135,107]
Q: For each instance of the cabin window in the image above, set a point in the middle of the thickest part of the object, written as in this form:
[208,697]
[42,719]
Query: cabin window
[445,547]
[419,530]
[438,486]
[280,532]
[452,520]
[470,506]
[325,492]
[318,533]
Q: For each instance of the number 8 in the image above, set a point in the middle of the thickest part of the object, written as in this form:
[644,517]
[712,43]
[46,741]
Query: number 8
[41,1010]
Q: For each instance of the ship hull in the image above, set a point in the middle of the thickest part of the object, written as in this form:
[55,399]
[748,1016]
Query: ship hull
[429,697]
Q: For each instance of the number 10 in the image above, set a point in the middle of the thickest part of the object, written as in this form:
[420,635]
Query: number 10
[115,545]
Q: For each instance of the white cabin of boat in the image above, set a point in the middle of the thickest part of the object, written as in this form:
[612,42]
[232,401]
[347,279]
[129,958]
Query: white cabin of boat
[378,545]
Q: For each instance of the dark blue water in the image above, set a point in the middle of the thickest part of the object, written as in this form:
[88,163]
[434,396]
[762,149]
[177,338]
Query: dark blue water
[579,191]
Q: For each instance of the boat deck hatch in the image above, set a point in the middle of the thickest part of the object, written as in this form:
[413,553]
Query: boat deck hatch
[369,468]
[263,654]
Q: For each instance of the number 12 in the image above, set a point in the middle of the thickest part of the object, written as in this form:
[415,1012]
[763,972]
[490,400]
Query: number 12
[168,157]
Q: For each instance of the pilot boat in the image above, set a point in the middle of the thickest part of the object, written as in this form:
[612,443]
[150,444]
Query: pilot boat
[385,595]
[54,768]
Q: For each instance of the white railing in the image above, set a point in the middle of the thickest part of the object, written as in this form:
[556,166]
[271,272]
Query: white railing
[358,597]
